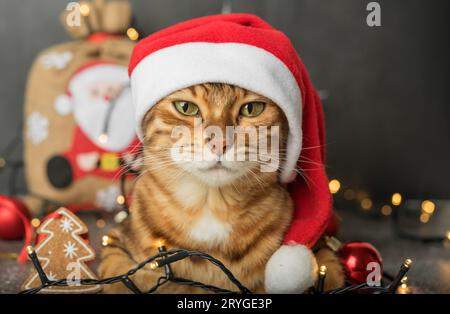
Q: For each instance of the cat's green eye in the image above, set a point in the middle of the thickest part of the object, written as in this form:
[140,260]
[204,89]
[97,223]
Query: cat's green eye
[252,109]
[186,107]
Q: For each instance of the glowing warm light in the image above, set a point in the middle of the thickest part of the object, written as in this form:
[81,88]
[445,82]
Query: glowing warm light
[85,10]
[133,34]
[158,243]
[334,186]
[448,235]
[386,210]
[100,223]
[407,262]
[106,240]
[103,138]
[424,218]
[366,203]
[349,194]
[35,222]
[120,216]
[30,250]
[120,199]
[403,289]
[153,265]
[428,207]
[323,270]
[396,199]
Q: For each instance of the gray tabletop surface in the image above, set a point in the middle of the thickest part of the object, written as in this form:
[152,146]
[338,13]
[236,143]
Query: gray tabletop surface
[430,272]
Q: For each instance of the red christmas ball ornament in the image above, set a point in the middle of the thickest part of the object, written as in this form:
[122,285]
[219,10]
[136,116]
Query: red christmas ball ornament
[355,258]
[13,217]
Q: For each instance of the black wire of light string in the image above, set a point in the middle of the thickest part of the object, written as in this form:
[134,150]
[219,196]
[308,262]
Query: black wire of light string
[126,280]
[167,257]
[390,288]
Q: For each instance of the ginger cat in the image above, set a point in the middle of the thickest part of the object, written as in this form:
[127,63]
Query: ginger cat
[228,209]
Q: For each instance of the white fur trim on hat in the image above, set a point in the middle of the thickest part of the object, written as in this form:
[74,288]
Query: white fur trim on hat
[291,269]
[170,69]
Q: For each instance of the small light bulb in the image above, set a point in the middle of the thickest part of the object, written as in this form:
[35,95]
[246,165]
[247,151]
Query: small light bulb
[120,216]
[153,265]
[407,262]
[403,289]
[158,243]
[424,218]
[30,249]
[396,199]
[103,138]
[106,240]
[133,34]
[35,222]
[448,235]
[100,223]
[386,210]
[334,186]
[428,207]
[366,203]
[85,10]
[323,270]
[120,199]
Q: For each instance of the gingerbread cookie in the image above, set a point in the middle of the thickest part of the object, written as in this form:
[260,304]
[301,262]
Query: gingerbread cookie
[63,253]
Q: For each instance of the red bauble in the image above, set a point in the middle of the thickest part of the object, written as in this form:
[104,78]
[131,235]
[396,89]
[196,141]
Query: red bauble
[355,256]
[13,215]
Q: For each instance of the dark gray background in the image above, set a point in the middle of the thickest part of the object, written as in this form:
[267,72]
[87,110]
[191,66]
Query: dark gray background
[387,109]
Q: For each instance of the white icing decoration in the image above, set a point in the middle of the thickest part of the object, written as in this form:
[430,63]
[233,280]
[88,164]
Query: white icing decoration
[70,249]
[66,225]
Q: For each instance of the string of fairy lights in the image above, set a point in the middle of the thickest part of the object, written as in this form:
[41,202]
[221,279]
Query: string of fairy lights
[85,12]
[389,207]
[165,258]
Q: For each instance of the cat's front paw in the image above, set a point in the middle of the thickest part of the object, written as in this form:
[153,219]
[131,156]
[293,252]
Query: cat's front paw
[291,269]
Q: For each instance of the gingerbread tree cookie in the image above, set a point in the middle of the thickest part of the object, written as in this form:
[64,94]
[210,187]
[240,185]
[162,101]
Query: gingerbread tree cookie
[63,254]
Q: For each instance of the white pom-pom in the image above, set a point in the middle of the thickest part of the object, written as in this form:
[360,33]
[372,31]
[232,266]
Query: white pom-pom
[291,269]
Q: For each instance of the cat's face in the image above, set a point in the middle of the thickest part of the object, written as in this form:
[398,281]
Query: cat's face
[217,133]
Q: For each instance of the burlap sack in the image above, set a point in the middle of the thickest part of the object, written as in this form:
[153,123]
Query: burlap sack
[79,130]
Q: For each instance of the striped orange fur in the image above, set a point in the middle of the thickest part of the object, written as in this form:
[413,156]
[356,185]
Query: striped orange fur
[240,222]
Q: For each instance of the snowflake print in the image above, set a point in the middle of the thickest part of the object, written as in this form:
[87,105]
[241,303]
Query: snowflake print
[37,128]
[56,60]
[107,198]
[66,225]
[69,249]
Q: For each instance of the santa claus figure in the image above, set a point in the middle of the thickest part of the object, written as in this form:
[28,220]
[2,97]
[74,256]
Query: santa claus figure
[98,96]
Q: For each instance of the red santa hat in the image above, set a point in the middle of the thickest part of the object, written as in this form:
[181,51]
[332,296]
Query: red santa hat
[243,50]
